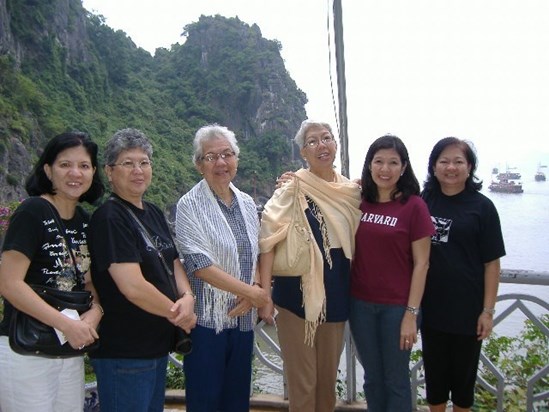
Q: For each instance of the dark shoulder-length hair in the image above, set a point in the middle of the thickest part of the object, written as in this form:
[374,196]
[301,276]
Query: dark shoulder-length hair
[472,182]
[38,183]
[407,185]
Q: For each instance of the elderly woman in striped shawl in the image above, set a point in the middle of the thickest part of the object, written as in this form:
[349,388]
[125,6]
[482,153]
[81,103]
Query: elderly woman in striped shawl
[218,231]
[313,307]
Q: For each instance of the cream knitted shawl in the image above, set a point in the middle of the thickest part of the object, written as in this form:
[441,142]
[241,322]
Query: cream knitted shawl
[339,203]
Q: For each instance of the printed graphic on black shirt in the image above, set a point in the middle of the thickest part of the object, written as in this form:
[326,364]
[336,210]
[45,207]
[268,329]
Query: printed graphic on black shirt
[442,230]
[62,273]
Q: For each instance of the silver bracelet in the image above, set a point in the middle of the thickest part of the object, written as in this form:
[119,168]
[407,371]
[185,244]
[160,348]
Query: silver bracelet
[99,307]
[413,310]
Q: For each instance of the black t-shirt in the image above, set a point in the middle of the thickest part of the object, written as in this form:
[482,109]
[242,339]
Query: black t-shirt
[127,331]
[34,231]
[468,235]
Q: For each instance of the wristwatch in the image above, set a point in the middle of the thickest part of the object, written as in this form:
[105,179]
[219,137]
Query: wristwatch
[413,310]
[188,292]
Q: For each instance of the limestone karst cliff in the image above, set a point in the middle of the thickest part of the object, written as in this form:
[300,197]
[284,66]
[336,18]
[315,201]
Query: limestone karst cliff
[62,68]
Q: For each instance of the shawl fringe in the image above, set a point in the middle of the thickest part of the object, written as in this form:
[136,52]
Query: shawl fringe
[207,232]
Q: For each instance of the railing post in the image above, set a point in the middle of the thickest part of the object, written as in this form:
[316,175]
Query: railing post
[350,362]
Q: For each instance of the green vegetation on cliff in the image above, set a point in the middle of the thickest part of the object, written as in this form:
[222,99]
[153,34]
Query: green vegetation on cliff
[63,68]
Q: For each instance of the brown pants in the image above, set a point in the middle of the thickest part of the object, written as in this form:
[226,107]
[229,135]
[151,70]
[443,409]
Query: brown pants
[311,372]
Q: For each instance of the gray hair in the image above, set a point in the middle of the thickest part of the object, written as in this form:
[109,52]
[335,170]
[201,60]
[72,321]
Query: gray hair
[299,138]
[126,139]
[209,133]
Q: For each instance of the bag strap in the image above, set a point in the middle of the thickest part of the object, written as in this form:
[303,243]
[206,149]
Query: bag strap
[143,229]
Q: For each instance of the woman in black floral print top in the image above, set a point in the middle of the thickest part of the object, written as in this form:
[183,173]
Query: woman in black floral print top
[35,252]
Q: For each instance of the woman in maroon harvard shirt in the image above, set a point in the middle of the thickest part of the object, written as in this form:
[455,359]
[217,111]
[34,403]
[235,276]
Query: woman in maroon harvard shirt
[388,273]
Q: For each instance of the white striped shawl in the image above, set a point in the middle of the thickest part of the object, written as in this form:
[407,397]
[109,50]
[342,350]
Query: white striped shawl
[202,228]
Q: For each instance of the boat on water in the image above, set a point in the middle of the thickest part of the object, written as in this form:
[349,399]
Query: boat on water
[509,175]
[540,175]
[506,186]
[505,182]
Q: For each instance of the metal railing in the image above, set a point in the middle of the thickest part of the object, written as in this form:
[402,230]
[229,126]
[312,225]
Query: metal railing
[517,303]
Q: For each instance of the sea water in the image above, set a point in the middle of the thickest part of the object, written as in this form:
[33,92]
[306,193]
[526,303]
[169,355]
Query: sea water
[525,225]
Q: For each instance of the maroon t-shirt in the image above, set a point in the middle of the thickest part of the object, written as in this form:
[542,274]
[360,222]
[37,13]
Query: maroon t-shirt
[383,262]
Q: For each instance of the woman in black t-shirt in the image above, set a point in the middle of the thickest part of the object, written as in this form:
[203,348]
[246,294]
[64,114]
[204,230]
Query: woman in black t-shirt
[462,281]
[141,306]
[36,252]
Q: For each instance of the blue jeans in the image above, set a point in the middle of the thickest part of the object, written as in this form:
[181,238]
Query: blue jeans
[132,385]
[375,329]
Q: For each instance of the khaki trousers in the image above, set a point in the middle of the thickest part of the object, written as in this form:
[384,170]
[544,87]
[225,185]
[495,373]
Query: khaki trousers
[311,372]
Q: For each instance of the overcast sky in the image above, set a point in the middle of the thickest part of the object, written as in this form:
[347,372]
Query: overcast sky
[422,69]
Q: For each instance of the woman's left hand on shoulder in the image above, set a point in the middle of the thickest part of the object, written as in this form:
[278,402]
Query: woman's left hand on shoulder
[284,178]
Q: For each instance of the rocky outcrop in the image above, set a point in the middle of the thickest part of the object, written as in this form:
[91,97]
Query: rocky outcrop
[257,95]
[7,41]
[16,161]
[66,69]
[56,23]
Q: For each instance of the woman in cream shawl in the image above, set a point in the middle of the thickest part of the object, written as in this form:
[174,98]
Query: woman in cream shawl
[217,229]
[313,308]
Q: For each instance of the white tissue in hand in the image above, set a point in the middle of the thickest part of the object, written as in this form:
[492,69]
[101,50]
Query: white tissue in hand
[69,313]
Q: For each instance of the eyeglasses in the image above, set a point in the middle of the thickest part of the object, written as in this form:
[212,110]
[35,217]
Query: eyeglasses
[314,142]
[130,165]
[213,157]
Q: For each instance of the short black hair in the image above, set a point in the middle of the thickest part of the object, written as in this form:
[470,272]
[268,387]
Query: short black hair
[38,183]
[472,183]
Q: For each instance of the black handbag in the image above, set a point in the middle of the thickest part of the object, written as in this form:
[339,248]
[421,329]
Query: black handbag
[183,343]
[29,336]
